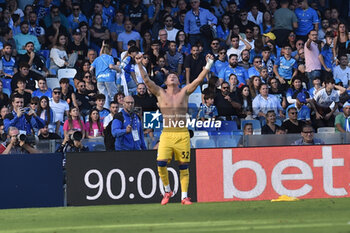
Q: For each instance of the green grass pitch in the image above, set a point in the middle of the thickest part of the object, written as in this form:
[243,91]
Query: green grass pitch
[310,216]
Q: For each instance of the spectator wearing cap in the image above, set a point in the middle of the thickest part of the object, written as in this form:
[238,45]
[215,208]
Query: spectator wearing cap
[24,37]
[194,20]
[76,17]
[54,13]
[285,21]
[341,122]
[77,46]
[300,105]
[307,20]
[342,71]
[126,36]
[54,31]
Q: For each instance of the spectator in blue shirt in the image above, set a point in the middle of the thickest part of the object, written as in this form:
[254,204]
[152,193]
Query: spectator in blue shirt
[303,111]
[327,52]
[307,20]
[194,19]
[100,103]
[19,118]
[42,90]
[233,67]
[104,69]
[220,63]
[76,17]
[127,128]
[285,67]
[255,69]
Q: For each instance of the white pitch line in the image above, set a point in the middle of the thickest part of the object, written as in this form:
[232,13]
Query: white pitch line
[190,226]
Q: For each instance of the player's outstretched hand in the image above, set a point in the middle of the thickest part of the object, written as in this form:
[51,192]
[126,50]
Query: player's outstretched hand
[138,58]
[209,56]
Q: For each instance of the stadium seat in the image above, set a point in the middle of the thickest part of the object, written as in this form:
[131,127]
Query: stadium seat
[205,143]
[6,83]
[278,122]
[256,124]
[198,90]
[66,73]
[6,91]
[192,110]
[52,83]
[195,98]
[46,55]
[326,130]
[228,126]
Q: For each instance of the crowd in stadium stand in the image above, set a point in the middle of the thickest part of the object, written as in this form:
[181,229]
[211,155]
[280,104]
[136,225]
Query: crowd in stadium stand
[285,61]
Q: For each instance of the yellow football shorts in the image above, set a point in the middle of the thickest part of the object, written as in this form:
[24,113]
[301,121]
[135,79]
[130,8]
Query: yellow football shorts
[174,141]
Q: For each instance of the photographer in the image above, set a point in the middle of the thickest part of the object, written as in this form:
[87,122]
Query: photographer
[72,143]
[127,128]
[24,119]
[17,143]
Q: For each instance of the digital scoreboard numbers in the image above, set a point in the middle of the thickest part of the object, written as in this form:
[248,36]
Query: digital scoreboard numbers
[124,177]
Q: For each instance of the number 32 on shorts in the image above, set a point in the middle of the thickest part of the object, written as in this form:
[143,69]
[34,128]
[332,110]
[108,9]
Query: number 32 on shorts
[185,154]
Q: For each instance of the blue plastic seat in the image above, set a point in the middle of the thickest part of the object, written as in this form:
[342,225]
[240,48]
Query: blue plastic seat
[228,126]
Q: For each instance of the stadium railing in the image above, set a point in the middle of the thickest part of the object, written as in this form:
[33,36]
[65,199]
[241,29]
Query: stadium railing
[219,140]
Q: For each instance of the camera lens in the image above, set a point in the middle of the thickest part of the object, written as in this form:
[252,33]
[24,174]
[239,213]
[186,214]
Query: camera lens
[77,136]
[22,137]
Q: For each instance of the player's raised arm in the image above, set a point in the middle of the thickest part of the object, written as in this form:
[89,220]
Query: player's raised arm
[154,88]
[190,88]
